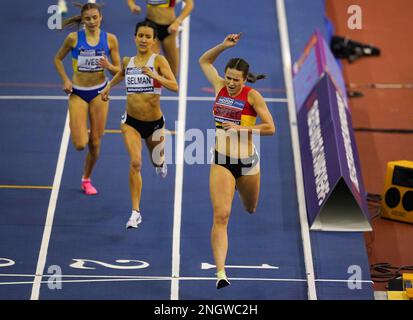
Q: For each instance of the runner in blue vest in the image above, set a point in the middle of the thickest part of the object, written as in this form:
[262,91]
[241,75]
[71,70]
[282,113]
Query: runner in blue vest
[90,48]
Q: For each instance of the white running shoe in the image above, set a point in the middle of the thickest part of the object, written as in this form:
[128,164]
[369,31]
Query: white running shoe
[162,171]
[134,220]
[222,280]
[62,7]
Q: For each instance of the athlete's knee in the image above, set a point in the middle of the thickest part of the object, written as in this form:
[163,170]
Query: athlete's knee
[136,165]
[94,146]
[94,143]
[221,216]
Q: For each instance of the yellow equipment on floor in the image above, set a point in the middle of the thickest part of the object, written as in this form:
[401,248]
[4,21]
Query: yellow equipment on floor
[407,290]
[397,199]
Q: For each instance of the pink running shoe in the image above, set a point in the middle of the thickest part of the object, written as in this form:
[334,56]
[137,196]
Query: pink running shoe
[88,188]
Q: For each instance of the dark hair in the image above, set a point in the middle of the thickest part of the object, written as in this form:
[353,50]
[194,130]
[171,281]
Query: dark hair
[149,24]
[76,20]
[243,66]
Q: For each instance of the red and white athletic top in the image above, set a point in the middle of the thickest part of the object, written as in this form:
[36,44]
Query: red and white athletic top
[137,82]
[161,3]
[234,109]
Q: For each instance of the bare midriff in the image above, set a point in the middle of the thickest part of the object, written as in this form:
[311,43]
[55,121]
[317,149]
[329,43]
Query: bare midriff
[144,106]
[161,15]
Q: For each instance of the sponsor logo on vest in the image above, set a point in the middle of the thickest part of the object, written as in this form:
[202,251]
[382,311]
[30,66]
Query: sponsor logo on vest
[131,71]
[229,102]
[88,52]
[225,101]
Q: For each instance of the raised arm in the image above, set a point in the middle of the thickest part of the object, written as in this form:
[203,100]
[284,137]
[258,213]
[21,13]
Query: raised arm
[208,58]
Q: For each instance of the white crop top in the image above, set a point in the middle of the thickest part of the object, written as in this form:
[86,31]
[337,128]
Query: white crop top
[137,82]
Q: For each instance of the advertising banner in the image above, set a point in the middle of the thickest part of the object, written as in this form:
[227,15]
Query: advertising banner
[334,190]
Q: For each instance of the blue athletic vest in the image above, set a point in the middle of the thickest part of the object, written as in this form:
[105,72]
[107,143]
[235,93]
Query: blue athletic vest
[85,58]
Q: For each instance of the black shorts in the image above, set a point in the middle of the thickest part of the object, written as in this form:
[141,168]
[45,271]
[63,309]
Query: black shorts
[238,167]
[162,30]
[145,128]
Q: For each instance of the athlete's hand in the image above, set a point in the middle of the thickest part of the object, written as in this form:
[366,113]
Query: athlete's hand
[230,126]
[104,62]
[105,92]
[134,8]
[174,27]
[231,40]
[68,86]
[148,71]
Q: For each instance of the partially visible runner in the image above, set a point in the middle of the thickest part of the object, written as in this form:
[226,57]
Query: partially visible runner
[90,48]
[62,6]
[162,13]
[144,76]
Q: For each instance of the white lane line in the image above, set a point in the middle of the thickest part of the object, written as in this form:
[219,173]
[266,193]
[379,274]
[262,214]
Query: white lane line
[163,98]
[84,276]
[84,281]
[180,141]
[154,278]
[206,265]
[344,280]
[51,211]
[305,233]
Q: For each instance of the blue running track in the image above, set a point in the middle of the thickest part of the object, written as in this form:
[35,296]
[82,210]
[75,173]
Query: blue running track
[88,242]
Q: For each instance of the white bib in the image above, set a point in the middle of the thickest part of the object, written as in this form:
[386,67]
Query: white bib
[88,61]
[137,82]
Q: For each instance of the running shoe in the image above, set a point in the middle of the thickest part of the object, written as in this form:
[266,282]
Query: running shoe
[162,171]
[222,280]
[62,7]
[134,220]
[221,283]
[88,188]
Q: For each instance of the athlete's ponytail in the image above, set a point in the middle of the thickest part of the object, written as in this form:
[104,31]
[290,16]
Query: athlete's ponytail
[77,20]
[243,66]
[251,77]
